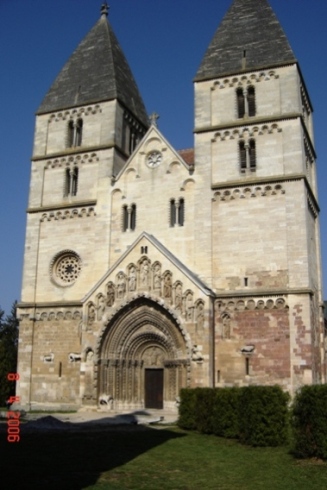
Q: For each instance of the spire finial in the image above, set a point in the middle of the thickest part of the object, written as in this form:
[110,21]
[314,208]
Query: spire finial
[153,119]
[104,9]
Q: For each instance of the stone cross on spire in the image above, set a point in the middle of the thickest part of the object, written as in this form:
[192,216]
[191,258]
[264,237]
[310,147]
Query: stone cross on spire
[104,9]
[153,119]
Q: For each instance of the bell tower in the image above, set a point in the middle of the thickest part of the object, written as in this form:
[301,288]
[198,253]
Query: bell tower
[87,126]
[254,144]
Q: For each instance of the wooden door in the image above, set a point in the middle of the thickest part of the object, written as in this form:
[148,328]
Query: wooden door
[154,388]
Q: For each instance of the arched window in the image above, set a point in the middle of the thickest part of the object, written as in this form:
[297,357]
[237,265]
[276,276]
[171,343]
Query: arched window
[74,133]
[240,102]
[129,217]
[177,212]
[242,151]
[79,132]
[181,212]
[251,101]
[71,181]
[247,156]
[245,102]
[133,217]
[252,155]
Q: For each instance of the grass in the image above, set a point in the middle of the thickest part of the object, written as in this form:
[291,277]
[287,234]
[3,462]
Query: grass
[141,458]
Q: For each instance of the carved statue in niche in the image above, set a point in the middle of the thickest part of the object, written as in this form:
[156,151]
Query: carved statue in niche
[189,307]
[132,279]
[157,277]
[110,294]
[226,330]
[167,286]
[121,285]
[90,314]
[200,316]
[179,297]
[101,306]
[144,274]
[89,374]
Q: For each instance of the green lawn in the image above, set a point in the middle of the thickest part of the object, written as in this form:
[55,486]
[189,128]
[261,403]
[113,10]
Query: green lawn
[151,459]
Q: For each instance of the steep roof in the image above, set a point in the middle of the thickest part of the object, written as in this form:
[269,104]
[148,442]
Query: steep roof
[96,71]
[249,37]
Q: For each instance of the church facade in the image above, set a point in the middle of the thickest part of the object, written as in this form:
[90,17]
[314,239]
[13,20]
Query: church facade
[149,269]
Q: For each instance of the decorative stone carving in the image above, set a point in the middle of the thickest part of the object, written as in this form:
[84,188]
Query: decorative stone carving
[90,314]
[226,330]
[101,306]
[247,192]
[179,297]
[189,306]
[199,316]
[110,294]
[167,288]
[196,354]
[157,276]
[153,356]
[72,357]
[121,285]
[144,274]
[48,357]
[89,356]
[132,278]
[68,214]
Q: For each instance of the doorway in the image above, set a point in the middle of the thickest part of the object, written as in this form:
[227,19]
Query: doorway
[153,380]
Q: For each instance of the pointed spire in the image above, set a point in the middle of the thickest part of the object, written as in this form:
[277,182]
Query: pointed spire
[97,71]
[249,37]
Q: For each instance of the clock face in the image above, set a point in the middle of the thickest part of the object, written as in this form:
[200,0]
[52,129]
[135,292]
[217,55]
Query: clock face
[154,159]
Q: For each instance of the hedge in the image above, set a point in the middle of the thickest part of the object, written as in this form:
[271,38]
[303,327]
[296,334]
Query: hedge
[310,422]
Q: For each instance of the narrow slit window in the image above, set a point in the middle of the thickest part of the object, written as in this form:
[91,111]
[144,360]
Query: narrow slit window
[242,156]
[240,103]
[252,155]
[251,101]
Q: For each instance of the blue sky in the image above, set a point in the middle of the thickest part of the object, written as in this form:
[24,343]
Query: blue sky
[164,42]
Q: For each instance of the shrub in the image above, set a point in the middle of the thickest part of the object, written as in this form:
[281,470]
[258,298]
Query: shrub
[264,416]
[309,422]
[225,417]
[204,409]
[187,412]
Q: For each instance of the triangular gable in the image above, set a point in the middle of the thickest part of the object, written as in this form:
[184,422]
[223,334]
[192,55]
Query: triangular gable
[154,141]
[151,240]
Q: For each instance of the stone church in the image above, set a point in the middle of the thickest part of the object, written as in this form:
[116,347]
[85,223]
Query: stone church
[149,269]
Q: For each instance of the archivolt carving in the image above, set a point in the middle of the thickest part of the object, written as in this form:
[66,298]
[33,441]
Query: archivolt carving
[72,160]
[247,132]
[124,312]
[237,305]
[68,214]
[75,113]
[58,315]
[247,192]
[245,79]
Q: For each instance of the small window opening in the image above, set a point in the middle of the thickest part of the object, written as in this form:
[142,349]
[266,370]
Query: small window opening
[60,369]
[251,101]
[129,217]
[240,102]
[218,376]
[71,181]
[245,281]
[247,366]
[144,250]
[177,212]
[74,133]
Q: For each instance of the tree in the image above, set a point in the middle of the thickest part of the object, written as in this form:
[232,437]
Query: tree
[8,352]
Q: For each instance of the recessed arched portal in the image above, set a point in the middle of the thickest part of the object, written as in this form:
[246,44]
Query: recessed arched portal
[143,357]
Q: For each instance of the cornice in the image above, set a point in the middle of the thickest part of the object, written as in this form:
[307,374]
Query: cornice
[49,304]
[77,151]
[68,205]
[262,293]
[249,121]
